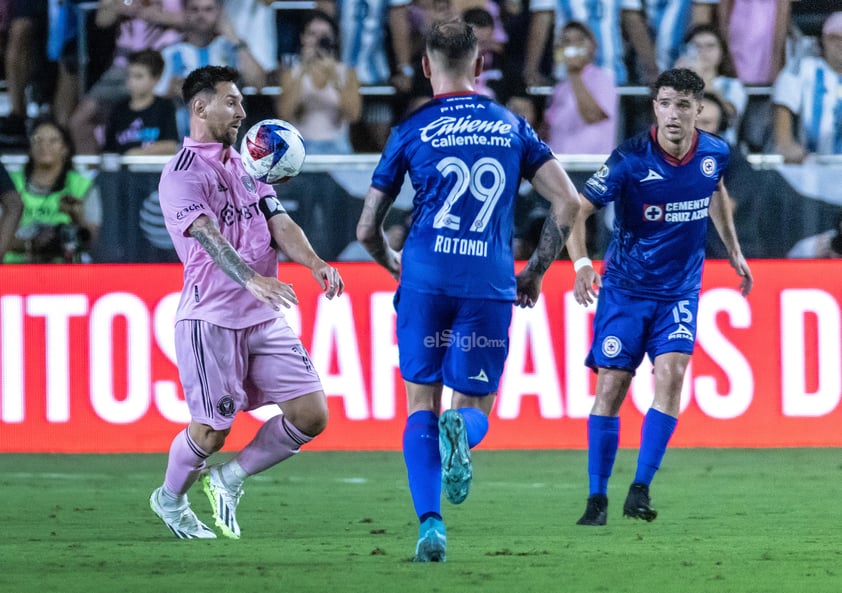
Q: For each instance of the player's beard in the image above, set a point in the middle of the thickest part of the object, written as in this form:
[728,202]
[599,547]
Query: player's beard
[227,137]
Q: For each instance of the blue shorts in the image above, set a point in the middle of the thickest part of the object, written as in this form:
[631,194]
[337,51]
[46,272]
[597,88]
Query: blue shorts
[626,327]
[460,342]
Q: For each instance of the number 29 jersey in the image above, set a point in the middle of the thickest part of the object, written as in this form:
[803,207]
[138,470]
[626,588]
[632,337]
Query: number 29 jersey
[465,156]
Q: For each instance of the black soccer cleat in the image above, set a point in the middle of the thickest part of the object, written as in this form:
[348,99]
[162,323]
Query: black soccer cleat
[596,511]
[638,505]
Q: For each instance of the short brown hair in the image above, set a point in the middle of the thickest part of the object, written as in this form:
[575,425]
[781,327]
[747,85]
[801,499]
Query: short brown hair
[150,58]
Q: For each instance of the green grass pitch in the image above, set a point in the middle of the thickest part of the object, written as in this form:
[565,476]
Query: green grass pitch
[737,520]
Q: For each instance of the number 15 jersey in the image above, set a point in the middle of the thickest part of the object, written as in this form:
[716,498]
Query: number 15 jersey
[465,156]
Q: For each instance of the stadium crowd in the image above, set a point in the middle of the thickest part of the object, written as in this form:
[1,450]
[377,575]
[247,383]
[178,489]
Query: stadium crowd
[108,73]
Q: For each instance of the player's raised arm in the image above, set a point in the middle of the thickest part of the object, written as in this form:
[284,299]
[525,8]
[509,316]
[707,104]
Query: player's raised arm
[722,213]
[291,240]
[370,231]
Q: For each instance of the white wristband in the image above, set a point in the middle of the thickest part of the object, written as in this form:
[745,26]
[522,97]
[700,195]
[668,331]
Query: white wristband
[581,263]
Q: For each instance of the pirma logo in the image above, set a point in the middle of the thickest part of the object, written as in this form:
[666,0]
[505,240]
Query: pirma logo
[682,333]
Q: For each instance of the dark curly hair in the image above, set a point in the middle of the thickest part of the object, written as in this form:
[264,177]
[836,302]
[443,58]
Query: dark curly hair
[683,80]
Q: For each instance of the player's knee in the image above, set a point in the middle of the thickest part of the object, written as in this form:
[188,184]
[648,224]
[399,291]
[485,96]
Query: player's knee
[209,439]
[308,414]
[314,422]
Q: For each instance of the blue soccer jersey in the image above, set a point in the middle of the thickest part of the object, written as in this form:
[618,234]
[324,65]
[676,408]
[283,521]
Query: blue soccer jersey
[657,246]
[465,156]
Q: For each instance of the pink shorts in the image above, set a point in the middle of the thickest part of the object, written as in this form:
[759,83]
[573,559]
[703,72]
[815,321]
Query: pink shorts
[224,371]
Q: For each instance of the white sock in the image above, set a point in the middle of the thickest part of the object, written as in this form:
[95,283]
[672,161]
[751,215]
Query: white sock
[171,499]
[232,474]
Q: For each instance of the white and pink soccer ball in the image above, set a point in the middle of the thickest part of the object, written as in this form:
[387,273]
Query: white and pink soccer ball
[272,151]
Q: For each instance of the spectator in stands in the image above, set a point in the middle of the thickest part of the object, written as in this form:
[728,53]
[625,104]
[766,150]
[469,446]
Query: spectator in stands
[582,112]
[61,211]
[27,25]
[811,92]
[499,36]
[27,22]
[256,21]
[490,48]
[321,95]
[609,24]
[756,32]
[518,101]
[825,245]
[706,53]
[143,24]
[5,6]
[143,123]
[62,55]
[670,20]
[714,115]
[746,186]
[41,56]
[422,14]
[11,208]
[209,39]
[363,29]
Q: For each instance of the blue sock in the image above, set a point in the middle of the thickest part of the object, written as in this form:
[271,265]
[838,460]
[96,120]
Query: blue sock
[476,425]
[655,435]
[423,463]
[603,440]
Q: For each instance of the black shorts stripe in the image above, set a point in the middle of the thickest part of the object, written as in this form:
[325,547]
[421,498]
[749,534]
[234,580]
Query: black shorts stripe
[199,356]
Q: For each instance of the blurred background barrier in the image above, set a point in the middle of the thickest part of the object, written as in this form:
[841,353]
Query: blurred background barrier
[776,204]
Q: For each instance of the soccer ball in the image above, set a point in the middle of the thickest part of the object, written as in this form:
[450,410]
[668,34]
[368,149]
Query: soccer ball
[272,151]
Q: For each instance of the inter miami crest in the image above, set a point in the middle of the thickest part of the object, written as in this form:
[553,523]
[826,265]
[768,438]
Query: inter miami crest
[226,406]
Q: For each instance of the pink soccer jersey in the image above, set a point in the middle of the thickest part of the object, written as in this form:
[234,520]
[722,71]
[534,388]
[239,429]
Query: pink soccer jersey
[197,182]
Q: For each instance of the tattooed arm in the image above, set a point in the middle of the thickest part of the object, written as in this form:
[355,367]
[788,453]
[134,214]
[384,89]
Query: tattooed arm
[552,182]
[267,290]
[370,231]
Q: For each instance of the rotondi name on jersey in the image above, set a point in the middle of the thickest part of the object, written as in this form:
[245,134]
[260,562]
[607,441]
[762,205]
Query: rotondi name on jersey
[462,131]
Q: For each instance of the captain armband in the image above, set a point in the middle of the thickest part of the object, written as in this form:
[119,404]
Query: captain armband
[270,206]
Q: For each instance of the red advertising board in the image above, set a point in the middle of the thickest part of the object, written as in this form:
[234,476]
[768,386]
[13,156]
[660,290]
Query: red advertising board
[87,362]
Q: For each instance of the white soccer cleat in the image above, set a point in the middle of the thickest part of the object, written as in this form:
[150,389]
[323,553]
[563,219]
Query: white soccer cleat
[224,502]
[181,520]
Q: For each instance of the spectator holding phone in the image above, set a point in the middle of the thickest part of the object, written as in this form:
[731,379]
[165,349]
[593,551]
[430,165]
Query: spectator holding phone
[321,95]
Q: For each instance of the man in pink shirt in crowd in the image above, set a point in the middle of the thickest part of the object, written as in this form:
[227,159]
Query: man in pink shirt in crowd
[581,116]
[234,349]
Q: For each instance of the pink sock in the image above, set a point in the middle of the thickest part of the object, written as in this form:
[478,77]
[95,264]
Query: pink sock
[186,462]
[276,440]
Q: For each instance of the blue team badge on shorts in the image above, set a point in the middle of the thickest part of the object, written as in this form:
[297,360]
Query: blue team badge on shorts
[611,346]
[226,406]
[708,166]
